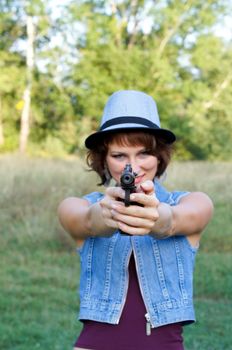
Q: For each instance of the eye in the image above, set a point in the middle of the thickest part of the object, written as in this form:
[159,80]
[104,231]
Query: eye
[145,152]
[117,156]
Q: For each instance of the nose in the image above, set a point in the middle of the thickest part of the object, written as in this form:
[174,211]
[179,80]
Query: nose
[135,166]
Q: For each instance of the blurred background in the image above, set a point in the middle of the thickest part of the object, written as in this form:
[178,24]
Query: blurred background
[59,62]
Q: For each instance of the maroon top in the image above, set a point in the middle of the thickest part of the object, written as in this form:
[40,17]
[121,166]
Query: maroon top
[130,333]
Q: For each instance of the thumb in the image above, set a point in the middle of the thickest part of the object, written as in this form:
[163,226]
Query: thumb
[148,187]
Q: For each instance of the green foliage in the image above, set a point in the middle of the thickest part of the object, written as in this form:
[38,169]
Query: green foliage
[52,116]
[12,77]
[40,270]
[90,49]
[116,53]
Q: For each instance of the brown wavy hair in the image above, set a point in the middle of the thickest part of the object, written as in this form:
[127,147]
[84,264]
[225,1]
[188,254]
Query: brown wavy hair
[154,145]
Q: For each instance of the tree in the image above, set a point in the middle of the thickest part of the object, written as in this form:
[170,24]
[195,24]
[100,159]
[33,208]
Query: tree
[25,117]
[12,72]
[90,48]
[47,110]
[116,51]
[21,80]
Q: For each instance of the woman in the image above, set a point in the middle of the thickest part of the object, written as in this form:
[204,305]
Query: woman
[136,261]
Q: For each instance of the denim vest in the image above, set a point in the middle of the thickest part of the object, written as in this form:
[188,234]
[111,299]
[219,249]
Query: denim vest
[164,268]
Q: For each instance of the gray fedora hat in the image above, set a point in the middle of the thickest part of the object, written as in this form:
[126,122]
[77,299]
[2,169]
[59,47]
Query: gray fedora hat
[130,110]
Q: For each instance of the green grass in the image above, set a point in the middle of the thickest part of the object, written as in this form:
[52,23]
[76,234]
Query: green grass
[39,266]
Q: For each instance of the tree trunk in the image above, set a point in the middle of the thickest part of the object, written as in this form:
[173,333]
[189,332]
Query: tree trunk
[25,117]
[1,124]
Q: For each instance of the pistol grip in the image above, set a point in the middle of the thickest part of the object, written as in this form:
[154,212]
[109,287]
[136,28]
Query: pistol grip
[127,198]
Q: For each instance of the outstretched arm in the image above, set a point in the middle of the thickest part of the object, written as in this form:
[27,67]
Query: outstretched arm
[191,216]
[82,220]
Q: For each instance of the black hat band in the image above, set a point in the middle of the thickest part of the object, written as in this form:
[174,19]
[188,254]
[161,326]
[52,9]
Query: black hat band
[128,120]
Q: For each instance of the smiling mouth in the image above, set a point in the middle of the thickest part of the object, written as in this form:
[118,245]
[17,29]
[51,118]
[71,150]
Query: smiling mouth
[139,179]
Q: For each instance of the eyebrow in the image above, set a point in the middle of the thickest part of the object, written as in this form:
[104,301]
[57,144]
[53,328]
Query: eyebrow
[124,152]
[117,152]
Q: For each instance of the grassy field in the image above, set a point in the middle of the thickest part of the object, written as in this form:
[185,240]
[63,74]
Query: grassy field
[40,268]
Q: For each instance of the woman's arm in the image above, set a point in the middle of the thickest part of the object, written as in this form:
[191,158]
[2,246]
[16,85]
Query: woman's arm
[191,215]
[73,216]
[82,220]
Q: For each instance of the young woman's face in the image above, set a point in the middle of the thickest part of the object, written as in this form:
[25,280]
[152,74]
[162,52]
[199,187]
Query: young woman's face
[143,163]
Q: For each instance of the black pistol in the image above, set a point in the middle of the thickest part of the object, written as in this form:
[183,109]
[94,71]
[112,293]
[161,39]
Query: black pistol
[127,183]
